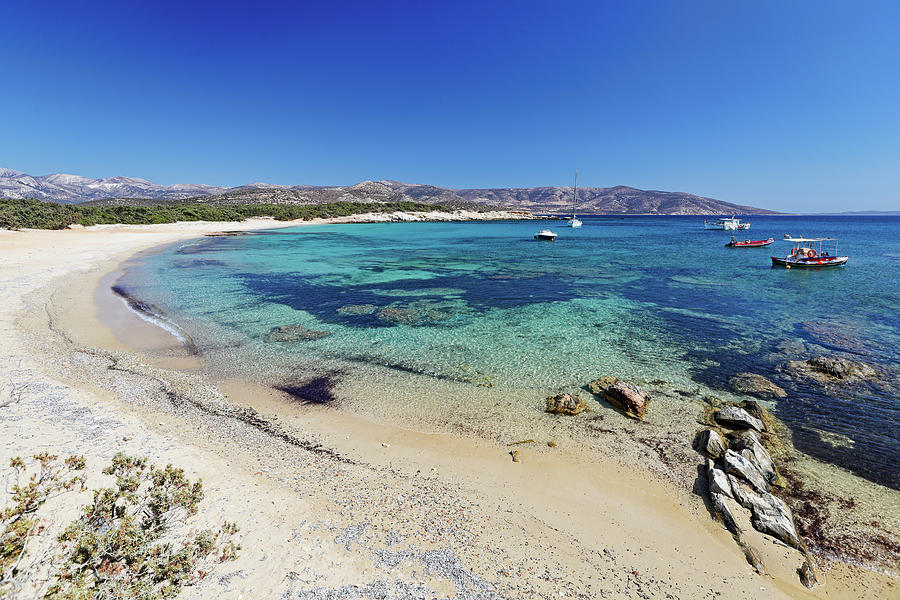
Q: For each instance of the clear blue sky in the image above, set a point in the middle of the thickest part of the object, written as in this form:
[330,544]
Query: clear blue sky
[789,105]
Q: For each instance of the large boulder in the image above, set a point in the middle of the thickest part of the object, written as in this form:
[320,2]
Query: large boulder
[776,520]
[598,387]
[710,443]
[718,480]
[755,385]
[735,417]
[629,397]
[737,465]
[748,445]
[565,404]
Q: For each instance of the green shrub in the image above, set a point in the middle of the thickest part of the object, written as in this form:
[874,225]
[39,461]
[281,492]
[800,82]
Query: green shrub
[35,214]
[123,545]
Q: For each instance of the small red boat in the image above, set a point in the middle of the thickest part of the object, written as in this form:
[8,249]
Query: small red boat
[749,243]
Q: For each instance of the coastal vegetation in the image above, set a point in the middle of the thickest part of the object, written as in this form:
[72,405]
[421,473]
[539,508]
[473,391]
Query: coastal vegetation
[129,541]
[16,213]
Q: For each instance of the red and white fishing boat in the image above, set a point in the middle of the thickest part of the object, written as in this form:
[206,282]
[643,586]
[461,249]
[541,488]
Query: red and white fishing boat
[749,243]
[809,253]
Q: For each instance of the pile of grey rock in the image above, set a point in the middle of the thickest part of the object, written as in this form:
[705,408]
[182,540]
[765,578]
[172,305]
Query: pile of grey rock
[741,474]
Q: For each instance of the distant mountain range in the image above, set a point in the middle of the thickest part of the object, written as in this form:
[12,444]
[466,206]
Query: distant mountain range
[613,200]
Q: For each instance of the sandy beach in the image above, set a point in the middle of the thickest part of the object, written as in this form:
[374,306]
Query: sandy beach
[334,503]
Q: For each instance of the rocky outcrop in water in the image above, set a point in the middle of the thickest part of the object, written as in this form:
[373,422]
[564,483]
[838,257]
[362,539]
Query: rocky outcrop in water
[599,386]
[828,369]
[565,404]
[755,385]
[630,398]
[735,417]
[293,333]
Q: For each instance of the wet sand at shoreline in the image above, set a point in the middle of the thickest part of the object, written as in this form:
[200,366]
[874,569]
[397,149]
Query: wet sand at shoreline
[473,523]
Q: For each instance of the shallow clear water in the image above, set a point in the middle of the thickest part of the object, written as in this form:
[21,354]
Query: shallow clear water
[485,304]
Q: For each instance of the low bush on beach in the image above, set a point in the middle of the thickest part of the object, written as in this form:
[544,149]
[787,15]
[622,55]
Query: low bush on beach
[132,541]
[35,214]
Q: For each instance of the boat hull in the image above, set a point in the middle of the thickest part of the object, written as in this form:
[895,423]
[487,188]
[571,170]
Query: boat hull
[728,227]
[545,238]
[751,243]
[809,263]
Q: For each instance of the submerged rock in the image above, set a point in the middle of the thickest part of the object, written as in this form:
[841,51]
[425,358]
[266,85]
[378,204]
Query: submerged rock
[736,417]
[357,309]
[841,368]
[828,369]
[710,443]
[406,316]
[293,333]
[755,385]
[630,398]
[598,387]
[713,401]
[565,404]
[837,334]
[419,312]
[735,464]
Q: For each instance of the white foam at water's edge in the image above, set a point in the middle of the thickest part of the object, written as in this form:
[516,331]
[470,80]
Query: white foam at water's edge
[158,320]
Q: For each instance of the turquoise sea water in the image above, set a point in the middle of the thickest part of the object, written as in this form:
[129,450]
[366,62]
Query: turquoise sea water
[486,305]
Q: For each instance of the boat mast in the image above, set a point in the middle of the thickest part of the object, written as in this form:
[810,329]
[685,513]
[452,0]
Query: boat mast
[575,194]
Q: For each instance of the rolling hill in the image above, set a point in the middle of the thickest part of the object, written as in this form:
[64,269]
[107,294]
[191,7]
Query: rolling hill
[619,200]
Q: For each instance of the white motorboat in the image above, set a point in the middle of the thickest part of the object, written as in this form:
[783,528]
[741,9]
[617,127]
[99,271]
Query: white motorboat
[731,224]
[545,235]
[574,221]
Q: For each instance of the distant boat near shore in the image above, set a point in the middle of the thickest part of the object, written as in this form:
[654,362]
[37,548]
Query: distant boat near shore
[726,224]
[574,221]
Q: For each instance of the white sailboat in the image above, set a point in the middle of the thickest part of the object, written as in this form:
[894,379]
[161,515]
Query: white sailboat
[574,221]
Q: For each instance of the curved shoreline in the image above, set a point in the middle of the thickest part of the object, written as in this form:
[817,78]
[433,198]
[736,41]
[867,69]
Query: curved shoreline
[473,467]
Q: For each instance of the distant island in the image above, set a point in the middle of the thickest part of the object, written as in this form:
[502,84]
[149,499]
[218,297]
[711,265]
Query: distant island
[617,200]
[864,213]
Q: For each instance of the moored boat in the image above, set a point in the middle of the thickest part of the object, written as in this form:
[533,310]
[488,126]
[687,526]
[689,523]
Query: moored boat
[545,235]
[732,224]
[749,243]
[809,253]
[574,221]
